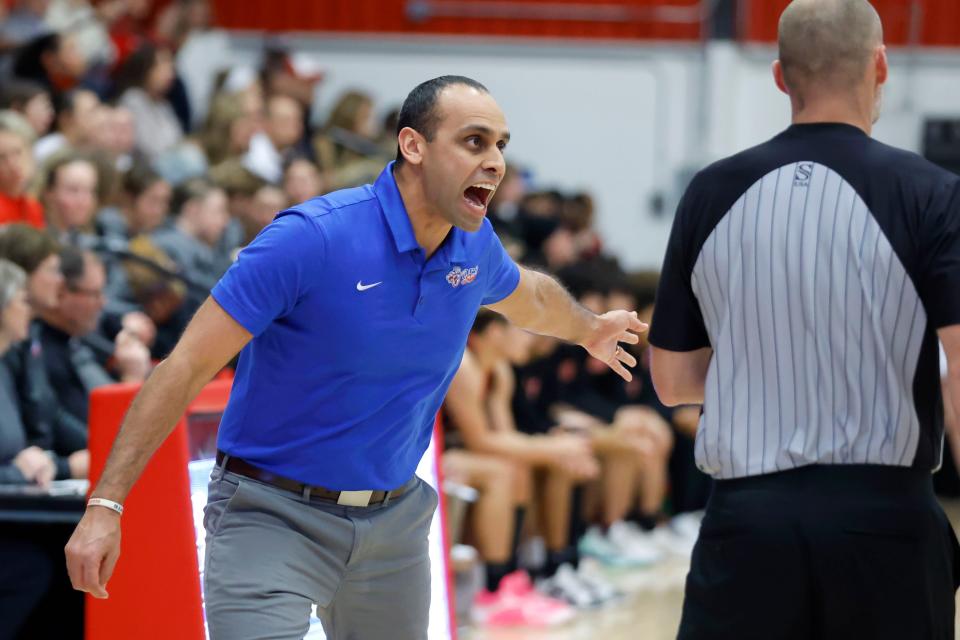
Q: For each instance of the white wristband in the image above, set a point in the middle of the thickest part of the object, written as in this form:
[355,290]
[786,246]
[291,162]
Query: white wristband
[109,504]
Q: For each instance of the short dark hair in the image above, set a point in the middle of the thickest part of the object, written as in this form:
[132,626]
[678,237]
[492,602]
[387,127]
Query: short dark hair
[26,246]
[139,178]
[73,266]
[485,318]
[74,263]
[419,110]
[192,189]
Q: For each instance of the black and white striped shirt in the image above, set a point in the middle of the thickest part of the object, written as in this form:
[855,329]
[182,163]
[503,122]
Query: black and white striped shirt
[817,266]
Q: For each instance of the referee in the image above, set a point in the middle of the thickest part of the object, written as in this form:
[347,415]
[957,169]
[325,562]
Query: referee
[352,312]
[804,287]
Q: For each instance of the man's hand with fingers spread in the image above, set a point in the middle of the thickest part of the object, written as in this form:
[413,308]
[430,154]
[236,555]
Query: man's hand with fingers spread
[93,550]
[609,330]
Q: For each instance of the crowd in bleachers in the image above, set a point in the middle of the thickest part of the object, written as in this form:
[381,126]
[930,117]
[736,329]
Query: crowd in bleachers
[117,216]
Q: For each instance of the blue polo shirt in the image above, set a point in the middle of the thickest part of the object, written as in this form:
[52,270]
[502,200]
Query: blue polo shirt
[357,336]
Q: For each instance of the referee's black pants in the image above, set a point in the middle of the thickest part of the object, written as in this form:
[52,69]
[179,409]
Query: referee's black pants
[823,552]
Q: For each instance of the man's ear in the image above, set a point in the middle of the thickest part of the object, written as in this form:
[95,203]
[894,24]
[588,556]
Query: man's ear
[411,145]
[778,77]
[883,68]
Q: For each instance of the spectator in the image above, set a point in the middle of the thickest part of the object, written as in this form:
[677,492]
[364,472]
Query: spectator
[48,426]
[194,240]
[70,195]
[267,202]
[38,255]
[24,22]
[140,26]
[25,569]
[284,123]
[241,187]
[71,363]
[301,180]
[152,278]
[148,207]
[19,463]
[116,139]
[142,83]
[54,60]
[282,138]
[74,124]
[145,205]
[16,171]
[232,122]
[30,100]
[346,148]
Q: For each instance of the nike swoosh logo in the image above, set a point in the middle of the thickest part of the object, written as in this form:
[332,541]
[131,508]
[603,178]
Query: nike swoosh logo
[364,287]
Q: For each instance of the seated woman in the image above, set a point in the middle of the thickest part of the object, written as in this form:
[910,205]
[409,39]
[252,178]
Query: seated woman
[19,463]
[142,83]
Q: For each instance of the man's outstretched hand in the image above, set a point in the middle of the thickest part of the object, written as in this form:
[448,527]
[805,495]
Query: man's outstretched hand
[610,329]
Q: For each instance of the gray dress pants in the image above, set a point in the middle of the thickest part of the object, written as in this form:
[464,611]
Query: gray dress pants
[270,556]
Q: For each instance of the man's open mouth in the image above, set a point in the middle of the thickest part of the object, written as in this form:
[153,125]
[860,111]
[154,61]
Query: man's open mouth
[478,195]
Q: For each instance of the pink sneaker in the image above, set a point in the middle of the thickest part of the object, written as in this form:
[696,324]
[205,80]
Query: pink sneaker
[516,603]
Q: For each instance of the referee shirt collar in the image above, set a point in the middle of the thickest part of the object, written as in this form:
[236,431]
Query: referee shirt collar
[388,194]
[826,127]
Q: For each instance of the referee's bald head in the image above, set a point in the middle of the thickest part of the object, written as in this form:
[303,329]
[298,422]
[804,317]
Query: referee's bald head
[828,44]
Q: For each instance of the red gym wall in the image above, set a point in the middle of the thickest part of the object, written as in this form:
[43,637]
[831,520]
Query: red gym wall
[938,20]
[619,19]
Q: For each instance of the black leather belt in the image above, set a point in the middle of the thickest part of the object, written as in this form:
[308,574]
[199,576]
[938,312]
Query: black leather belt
[348,498]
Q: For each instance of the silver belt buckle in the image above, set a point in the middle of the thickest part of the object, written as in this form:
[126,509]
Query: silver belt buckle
[355,498]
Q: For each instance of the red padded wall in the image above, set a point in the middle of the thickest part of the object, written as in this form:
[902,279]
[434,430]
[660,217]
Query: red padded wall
[390,16]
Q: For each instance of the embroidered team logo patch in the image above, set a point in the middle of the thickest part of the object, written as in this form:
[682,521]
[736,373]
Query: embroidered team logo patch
[458,276]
